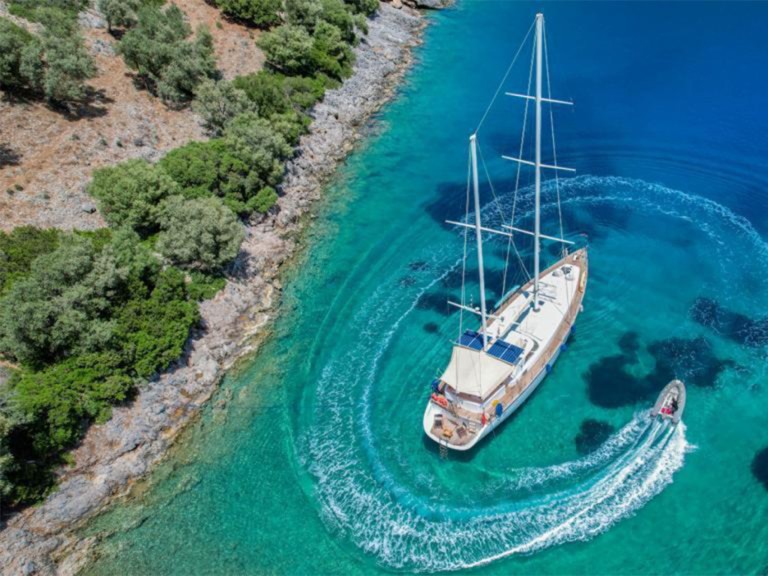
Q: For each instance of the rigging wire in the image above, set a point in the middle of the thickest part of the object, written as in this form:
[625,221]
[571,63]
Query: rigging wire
[519,171]
[554,158]
[552,129]
[466,238]
[504,79]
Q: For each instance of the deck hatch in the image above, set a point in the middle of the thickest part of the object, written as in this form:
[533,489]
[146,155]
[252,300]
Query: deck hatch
[505,351]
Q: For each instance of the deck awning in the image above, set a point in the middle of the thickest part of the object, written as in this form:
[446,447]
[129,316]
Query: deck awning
[474,372]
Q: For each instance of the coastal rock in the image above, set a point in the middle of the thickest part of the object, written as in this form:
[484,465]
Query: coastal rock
[429,4]
[138,435]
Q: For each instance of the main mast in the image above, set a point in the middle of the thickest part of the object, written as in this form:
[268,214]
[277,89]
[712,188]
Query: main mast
[478,235]
[537,207]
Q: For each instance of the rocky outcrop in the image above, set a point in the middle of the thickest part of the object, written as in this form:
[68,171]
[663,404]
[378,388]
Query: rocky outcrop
[424,4]
[41,539]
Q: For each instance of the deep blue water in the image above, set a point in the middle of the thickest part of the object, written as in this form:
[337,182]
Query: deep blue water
[319,465]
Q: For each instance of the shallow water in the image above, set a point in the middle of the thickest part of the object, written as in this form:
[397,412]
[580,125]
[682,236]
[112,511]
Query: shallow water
[318,464]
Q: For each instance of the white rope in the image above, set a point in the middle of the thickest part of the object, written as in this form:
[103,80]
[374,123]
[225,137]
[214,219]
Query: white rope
[504,79]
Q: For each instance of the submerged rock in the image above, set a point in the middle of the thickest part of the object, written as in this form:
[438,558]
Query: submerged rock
[760,467]
[592,434]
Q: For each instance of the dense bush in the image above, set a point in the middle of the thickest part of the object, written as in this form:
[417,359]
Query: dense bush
[288,49]
[62,306]
[309,13]
[210,168]
[130,193]
[62,67]
[47,11]
[291,49]
[365,7]
[200,234]
[19,248]
[218,102]
[55,65]
[89,318]
[13,41]
[242,168]
[159,48]
[262,148]
[121,13]
[261,13]
[152,331]
[276,94]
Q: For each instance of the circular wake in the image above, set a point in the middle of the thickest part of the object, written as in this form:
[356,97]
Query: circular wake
[414,522]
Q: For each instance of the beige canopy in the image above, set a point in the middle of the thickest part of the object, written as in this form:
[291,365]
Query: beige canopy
[475,372]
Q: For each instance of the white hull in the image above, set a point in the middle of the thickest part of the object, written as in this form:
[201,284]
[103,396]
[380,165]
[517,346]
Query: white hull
[493,424]
[463,419]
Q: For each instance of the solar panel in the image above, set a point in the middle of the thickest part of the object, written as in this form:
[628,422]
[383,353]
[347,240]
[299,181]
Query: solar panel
[471,339]
[505,351]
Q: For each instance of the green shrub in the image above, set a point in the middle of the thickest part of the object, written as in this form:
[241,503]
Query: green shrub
[19,248]
[264,200]
[291,49]
[13,40]
[152,331]
[365,7]
[159,50]
[87,320]
[331,54]
[62,307]
[130,193]
[260,13]
[210,169]
[200,234]
[218,102]
[276,94]
[288,49]
[290,125]
[204,286]
[47,11]
[65,394]
[66,67]
[260,146]
[55,65]
[309,13]
[121,13]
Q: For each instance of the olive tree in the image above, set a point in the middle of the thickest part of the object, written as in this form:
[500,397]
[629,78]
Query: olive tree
[218,102]
[130,193]
[199,234]
[122,13]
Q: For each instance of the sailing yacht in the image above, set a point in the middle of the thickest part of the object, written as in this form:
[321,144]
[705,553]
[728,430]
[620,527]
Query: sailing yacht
[495,369]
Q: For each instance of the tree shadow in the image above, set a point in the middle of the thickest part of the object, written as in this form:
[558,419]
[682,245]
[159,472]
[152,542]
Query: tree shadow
[94,105]
[8,156]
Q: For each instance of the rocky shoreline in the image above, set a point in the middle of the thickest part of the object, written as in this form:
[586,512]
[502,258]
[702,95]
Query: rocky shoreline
[41,539]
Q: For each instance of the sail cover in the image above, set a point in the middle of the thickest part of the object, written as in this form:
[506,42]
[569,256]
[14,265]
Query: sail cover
[474,372]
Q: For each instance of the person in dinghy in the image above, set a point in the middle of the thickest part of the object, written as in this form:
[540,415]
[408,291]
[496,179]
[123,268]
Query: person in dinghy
[670,403]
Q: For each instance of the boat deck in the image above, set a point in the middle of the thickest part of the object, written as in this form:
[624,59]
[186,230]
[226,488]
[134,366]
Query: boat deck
[459,425]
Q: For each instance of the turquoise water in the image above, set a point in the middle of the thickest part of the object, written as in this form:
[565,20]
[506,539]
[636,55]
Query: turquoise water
[312,458]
